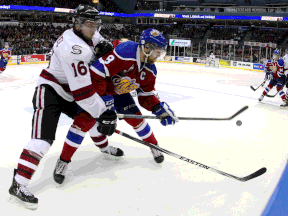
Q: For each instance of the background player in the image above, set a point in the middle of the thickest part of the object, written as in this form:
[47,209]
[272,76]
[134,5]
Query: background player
[275,67]
[212,59]
[285,59]
[61,88]
[5,55]
[129,66]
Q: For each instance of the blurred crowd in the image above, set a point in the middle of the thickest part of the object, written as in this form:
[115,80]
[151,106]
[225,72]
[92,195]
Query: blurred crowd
[267,36]
[147,5]
[40,39]
[229,33]
[30,39]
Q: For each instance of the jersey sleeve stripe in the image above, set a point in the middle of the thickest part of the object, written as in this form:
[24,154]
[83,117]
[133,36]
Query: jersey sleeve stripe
[140,92]
[83,93]
[96,71]
[46,75]
[99,68]
[150,71]
[105,68]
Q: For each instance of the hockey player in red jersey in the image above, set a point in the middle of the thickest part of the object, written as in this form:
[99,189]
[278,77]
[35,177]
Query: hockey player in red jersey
[128,67]
[275,69]
[63,87]
[116,42]
[5,55]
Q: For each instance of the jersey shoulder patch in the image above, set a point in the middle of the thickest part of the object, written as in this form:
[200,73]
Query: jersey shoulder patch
[127,50]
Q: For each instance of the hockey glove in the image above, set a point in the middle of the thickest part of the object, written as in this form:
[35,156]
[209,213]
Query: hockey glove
[167,115]
[269,76]
[109,102]
[102,48]
[107,122]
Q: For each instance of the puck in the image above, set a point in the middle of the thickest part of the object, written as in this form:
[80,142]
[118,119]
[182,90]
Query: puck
[239,123]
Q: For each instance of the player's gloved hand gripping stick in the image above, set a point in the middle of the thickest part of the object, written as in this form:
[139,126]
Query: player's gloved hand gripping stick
[107,121]
[166,114]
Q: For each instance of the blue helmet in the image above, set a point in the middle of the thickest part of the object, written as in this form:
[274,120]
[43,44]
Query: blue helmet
[6,44]
[152,36]
[276,55]
[276,52]
[155,40]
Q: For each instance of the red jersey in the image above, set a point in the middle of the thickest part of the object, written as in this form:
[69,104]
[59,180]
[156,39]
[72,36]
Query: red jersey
[116,43]
[277,67]
[5,54]
[121,71]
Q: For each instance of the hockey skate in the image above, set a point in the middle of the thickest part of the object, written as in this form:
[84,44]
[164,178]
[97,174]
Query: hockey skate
[157,155]
[261,98]
[20,195]
[113,151]
[285,104]
[60,171]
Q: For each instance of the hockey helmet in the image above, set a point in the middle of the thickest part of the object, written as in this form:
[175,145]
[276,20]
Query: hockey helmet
[155,40]
[276,54]
[86,12]
[6,45]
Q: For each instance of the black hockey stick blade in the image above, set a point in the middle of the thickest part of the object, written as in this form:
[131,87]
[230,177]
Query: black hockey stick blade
[270,96]
[254,175]
[253,88]
[238,113]
[183,118]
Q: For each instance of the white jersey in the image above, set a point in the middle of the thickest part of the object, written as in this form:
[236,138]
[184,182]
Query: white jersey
[212,57]
[285,59]
[68,72]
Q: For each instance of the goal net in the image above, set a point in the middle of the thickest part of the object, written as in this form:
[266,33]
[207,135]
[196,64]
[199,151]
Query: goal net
[211,63]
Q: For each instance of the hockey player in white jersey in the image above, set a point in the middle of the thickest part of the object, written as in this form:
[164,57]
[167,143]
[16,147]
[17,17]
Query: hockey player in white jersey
[285,59]
[61,88]
[212,59]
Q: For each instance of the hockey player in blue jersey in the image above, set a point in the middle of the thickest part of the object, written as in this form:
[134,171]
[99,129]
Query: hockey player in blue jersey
[275,69]
[130,66]
[5,55]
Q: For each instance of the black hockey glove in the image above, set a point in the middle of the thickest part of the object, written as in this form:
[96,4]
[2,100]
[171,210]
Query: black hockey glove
[107,122]
[286,81]
[102,48]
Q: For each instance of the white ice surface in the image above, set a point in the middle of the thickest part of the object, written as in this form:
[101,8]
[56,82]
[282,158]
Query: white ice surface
[135,184]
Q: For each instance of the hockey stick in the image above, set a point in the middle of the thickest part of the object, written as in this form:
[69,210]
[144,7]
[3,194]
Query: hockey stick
[277,91]
[243,179]
[262,84]
[183,118]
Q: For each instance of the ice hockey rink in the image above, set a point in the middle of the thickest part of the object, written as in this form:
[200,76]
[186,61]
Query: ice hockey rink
[97,184]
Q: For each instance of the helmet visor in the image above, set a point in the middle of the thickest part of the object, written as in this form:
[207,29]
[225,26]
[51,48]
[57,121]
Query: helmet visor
[92,24]
[157,51]
[276,56]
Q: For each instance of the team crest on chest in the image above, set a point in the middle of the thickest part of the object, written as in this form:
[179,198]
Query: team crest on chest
[5,55]
[124,85]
